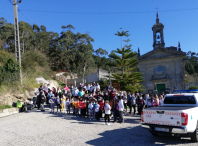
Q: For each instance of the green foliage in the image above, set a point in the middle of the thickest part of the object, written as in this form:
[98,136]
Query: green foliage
[34,64]
[193,87]
[9,73]
[100,59]
[4,56]
[191,62]
[5,106]
[61,84]
[11,66]
[32,60]
[125,61]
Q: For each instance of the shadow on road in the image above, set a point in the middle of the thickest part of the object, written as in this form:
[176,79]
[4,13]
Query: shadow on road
[134,136]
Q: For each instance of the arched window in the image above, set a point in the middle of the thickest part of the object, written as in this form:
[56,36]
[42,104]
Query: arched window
[158,38]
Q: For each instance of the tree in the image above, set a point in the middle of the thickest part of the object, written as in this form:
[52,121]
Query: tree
[100,58]
[125,61]
[7,34]
[64,51]
[26,34]
[191,62]
[128,46]
[84,55]
[121,34]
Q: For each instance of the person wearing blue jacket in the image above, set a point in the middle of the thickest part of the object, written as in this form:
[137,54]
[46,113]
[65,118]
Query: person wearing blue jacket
[49,96]
[80,93]
[52,103]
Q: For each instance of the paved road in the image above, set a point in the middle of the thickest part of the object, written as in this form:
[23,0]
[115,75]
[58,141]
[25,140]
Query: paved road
[36,128]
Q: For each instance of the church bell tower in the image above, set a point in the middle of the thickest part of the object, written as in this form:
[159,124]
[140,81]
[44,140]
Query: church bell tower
[158,35]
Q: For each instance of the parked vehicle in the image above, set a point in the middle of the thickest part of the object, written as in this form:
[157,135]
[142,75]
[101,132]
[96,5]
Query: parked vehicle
[177,117]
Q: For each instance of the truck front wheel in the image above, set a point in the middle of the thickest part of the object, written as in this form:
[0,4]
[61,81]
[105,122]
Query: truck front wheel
[194,136]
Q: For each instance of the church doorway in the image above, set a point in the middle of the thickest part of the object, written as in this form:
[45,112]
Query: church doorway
[160,87]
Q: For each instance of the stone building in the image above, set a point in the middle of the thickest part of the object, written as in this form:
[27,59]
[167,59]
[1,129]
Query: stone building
[162,67]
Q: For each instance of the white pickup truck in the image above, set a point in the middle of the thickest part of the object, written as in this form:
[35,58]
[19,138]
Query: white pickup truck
[177,117]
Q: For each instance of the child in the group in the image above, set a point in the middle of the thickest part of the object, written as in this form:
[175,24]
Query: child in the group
[77,108]
[90,107]
[97,106]
[83,108]
[63,103]
[68,105]
[58,103]
[73,101]
[52,103]
[107,109]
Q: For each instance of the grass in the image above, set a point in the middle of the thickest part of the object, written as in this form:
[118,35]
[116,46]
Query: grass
[5,106]
[61,84]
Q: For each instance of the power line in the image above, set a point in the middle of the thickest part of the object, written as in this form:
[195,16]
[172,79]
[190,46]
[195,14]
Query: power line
[109,12]
[10,2]
[24,16]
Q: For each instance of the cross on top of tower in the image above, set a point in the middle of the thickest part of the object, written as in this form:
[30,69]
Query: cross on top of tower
[157,19]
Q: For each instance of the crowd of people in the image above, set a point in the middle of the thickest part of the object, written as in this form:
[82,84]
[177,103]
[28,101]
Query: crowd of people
[89,101]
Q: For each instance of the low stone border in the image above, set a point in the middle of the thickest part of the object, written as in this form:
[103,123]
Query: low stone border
[9,111]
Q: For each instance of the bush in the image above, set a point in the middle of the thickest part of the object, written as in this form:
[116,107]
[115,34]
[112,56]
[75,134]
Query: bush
[4,56]
[193,87]
[9,72]
[32,60]
[34,64]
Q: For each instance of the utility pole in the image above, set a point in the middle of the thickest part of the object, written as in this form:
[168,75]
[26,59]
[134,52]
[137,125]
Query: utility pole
[110,78]
[17,39]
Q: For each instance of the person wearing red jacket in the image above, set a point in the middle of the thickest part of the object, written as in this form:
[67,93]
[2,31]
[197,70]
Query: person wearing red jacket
[101,107]
[83,108]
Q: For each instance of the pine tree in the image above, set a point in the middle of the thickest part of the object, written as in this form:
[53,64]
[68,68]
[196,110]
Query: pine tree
[126,62]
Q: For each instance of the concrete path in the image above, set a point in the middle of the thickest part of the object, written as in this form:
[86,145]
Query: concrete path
[35,128]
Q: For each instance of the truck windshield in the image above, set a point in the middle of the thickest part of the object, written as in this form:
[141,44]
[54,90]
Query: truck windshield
[179,100]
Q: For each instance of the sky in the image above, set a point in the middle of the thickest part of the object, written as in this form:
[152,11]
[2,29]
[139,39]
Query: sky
[103,18]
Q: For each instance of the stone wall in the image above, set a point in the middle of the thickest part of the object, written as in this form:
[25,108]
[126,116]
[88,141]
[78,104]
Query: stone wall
[173,76]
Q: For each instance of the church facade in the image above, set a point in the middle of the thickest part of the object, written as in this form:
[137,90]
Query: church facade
[162,68]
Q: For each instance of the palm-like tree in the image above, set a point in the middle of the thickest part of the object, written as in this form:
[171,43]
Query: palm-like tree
[122,33]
